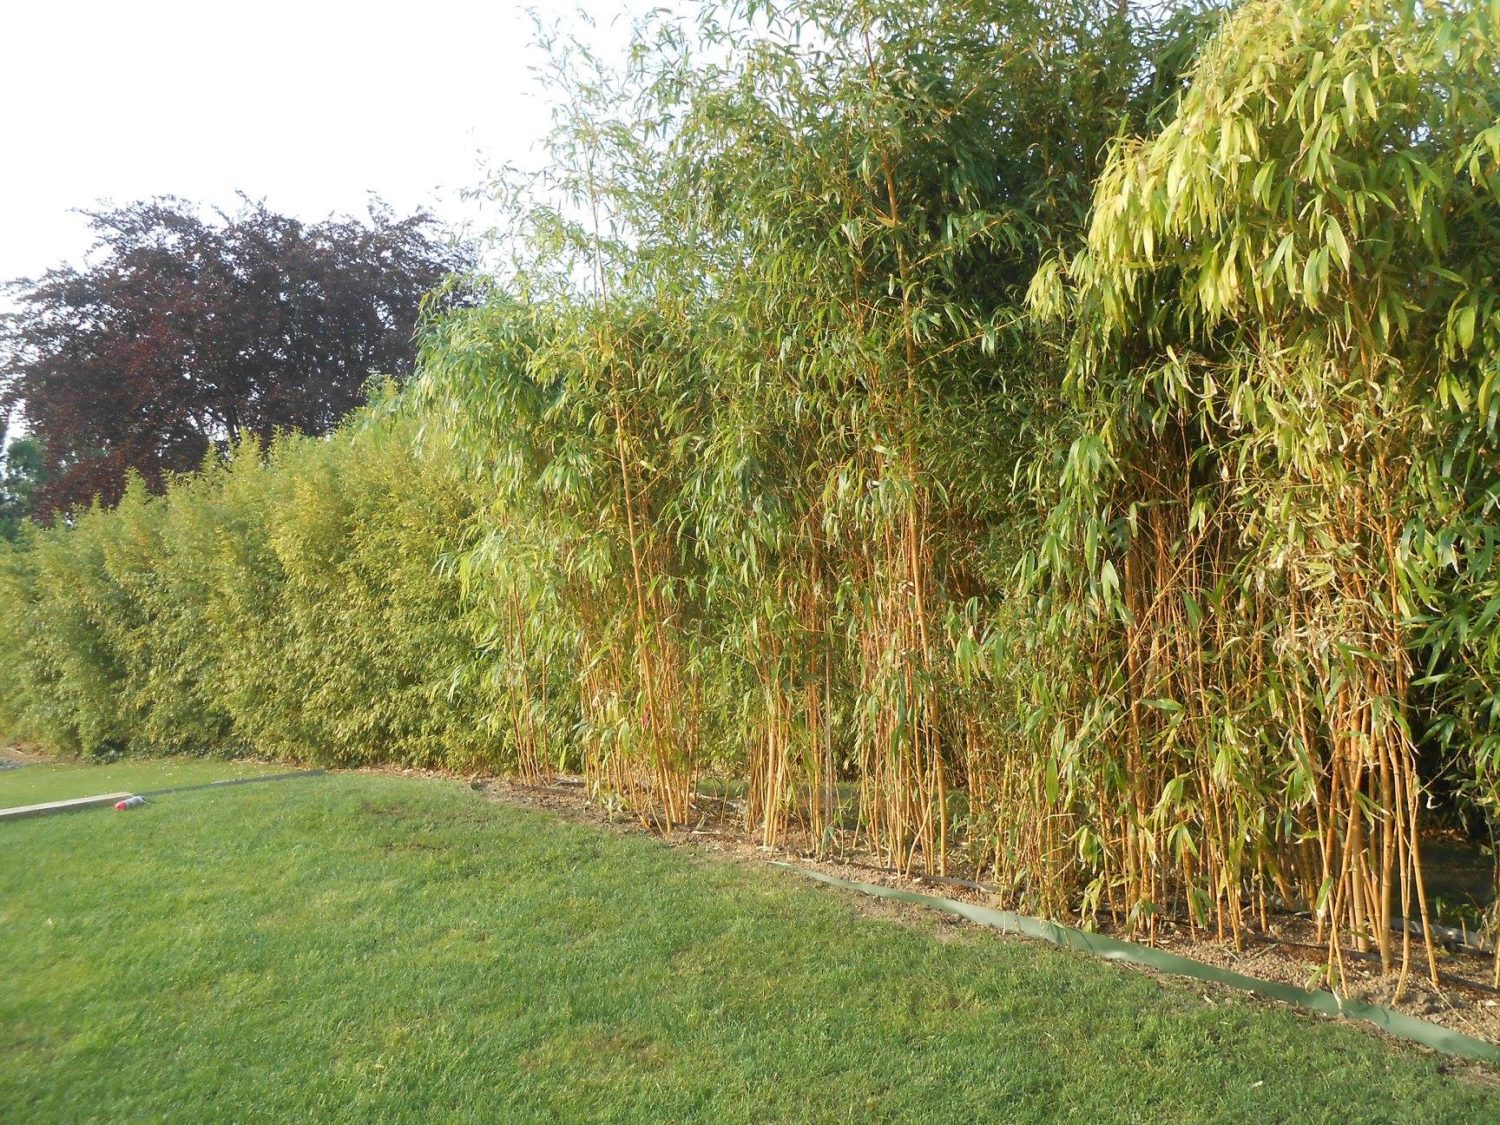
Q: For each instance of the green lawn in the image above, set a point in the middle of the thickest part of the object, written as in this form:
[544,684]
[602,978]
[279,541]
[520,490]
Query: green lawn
[364,948]
[57,781]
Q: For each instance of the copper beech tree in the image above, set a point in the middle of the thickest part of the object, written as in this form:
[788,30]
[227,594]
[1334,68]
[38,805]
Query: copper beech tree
[182,332]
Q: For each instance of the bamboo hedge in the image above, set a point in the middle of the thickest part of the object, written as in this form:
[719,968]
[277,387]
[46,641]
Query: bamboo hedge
[1046,438]
[290,605]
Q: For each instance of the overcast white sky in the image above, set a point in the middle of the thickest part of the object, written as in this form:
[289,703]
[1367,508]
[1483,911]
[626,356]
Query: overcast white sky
[310,105]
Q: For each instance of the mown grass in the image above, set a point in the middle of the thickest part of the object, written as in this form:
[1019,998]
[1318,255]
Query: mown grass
[370,948]
[58,781]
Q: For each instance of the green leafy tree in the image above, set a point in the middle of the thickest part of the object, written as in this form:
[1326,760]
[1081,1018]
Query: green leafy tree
[25,473]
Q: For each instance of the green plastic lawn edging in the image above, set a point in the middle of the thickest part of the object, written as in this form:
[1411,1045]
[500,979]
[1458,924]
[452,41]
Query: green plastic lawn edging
[1113,949]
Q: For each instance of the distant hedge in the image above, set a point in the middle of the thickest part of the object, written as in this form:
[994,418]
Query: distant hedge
[294,603]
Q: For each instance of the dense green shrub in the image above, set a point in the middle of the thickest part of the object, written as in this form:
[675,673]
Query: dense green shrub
[294,604]
[1258,582]
[787,449]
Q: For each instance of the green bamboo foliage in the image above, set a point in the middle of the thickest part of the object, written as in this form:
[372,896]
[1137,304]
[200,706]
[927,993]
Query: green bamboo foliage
[1282,310]
[290,605]
[1027,437]
[764,438]
[873,385]
[574,566]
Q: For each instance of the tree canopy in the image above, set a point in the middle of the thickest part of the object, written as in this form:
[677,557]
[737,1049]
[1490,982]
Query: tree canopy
[24,472]
[181,332]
